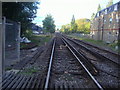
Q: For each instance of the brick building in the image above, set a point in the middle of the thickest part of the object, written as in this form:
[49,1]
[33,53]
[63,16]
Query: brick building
[106,23]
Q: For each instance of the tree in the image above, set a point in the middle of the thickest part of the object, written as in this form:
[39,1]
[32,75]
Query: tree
[93,15]
[99,8]
[83,25]
[109,3]
[73,20]
[23,12]
[48,24]
[62,28]
[65,28]
[73,25]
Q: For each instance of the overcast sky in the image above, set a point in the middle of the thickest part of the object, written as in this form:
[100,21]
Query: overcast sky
[62,10]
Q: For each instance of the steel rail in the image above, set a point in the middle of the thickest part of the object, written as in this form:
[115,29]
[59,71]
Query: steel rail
[93,52]
[114,53]
[49,69]
[85,60]
[91,76]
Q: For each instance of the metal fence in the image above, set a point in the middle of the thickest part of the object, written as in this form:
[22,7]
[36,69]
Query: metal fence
[11,31]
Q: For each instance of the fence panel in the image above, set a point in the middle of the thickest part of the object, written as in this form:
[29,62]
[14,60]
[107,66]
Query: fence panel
[12,43]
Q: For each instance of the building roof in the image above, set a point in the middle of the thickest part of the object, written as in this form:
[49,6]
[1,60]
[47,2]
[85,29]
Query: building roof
[109,9]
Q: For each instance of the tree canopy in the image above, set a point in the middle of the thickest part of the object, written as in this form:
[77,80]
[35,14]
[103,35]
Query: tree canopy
[83,26]
[23,12]
[73,25]
[93,16]
[48,24]
[109,3]
[99,8]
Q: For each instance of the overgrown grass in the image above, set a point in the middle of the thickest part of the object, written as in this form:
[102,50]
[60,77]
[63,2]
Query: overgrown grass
[97,42]
[37,40]
[40,39]
[8,68]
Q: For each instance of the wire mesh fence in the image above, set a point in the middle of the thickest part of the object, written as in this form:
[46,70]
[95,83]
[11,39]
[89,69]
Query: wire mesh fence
[12,42]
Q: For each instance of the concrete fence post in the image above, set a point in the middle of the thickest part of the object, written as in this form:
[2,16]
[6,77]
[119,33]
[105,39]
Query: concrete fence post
[3,44]
[0,45]
[18,43]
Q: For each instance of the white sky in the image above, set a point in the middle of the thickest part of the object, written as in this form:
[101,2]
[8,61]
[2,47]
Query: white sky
[62,10]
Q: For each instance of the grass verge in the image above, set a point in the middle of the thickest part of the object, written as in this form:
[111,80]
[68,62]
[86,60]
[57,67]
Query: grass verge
[100,43]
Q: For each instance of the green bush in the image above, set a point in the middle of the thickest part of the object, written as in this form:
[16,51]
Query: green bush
[28,34]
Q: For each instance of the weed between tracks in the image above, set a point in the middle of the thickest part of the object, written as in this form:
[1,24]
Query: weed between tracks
[29,71]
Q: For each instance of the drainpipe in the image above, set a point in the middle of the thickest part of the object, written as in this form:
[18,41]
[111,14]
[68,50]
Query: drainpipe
[103,28]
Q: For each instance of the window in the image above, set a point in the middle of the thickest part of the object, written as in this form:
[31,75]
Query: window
[117,33]
[109,32]
[113,15]
[93,32]
[104,21]
[97,14]
[109,9]
[115,7]
[110,20]
[117,19]
[110,15]
[114,25]
[105,11]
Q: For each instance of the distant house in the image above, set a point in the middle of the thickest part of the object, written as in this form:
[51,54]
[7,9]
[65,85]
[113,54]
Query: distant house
[37,29]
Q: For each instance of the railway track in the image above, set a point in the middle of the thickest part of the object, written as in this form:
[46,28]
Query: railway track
[13,81]
[66,70]
[99,52]
[93,57]
[101,49]
[105,67]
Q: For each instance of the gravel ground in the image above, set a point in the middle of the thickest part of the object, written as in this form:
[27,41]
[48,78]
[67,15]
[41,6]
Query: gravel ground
[108,71]
[104,53]
[11,58]
[66,69]
[40,65]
